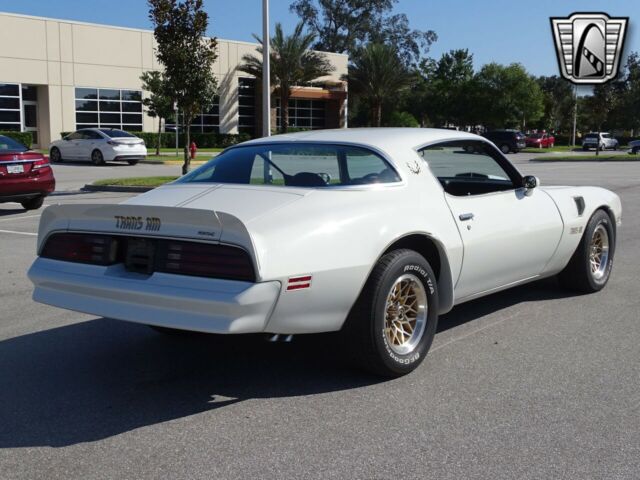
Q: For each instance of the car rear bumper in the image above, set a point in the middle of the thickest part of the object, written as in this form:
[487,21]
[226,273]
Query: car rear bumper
[23,188]
[174,301]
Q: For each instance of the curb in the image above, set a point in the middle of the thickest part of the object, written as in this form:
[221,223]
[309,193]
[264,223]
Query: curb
[170,162]
[115,188]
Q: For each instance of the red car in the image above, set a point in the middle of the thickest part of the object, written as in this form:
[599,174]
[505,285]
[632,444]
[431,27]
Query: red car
[25,176]
[540,140]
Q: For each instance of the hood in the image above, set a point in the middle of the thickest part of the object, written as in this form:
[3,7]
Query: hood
[246,202]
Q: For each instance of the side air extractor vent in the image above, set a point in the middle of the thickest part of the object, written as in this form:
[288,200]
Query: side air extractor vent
[579,204]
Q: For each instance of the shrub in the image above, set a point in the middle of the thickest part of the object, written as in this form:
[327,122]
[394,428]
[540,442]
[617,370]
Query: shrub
[23,137]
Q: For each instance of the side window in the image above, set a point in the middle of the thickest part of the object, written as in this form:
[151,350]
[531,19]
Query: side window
[365,167]
[469,168]
[75,136]
[91,135]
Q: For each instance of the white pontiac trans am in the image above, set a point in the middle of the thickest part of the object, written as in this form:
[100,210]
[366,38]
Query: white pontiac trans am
[374,232]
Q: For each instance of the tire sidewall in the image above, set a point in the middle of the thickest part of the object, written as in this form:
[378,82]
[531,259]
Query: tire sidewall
[415,264]
[55,157]
[100,158]
[599,218]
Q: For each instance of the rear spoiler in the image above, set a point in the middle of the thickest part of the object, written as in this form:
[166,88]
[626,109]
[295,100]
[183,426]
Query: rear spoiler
[146,221]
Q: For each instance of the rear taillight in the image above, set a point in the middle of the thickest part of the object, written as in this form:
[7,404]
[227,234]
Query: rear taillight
[42,163]
[204,260]
[81,248]
[113,142]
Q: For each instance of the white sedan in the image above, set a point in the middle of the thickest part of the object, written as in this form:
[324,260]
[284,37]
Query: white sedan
[99,145]
[374,232]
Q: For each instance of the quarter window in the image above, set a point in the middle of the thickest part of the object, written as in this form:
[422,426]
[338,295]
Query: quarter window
[110,108]
[469,168]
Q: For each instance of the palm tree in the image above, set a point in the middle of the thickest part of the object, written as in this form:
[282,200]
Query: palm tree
[292,63]
[377,73]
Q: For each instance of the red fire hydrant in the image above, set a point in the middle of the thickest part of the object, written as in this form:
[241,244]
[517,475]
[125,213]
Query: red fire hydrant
[193,148]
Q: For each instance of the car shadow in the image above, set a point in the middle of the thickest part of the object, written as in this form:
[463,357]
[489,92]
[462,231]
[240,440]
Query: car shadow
[95,379]
[11,211]
[80,163]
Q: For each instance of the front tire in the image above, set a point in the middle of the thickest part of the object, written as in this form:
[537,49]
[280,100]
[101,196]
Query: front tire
[392,324]
[504,148]
[55,156]
[32,203]
[133,162]
[97,158]
[590,266]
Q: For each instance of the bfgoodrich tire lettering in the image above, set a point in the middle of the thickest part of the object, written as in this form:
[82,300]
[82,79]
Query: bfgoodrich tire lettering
[590,266]
[401,287]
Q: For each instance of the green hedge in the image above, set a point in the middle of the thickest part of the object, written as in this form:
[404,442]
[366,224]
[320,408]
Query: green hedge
[203,140]
[23,137]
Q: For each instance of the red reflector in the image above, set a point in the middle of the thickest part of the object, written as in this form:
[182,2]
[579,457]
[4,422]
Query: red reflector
[298,283]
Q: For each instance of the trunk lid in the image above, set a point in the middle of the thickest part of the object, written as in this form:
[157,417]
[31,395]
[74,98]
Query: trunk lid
[17,164]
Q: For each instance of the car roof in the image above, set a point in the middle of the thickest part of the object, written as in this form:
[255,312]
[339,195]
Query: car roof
[385,139]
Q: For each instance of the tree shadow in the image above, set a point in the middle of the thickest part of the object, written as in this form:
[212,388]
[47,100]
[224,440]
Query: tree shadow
[92,380]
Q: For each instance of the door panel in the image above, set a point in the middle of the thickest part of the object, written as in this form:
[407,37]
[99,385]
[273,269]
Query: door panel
[511,236]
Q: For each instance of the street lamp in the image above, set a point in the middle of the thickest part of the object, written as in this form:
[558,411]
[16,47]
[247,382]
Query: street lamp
[266,72]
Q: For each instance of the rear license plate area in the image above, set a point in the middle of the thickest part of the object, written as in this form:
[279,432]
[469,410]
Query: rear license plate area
[140,256]
[15,169]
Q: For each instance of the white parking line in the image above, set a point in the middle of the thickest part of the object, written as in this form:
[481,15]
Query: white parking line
[19,233]
[18,218]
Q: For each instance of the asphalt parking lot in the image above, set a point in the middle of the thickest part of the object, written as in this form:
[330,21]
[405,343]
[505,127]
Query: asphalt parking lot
[532,383]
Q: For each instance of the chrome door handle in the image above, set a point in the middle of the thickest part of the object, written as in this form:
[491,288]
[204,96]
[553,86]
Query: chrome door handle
[465,216]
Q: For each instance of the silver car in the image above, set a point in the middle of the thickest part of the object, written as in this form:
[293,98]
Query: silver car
[602,139]
[634,146]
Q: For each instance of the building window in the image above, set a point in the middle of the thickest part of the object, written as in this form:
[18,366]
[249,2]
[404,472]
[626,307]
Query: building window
[109,108]
[10,118]
[207,122]
[307,114]
[247,105]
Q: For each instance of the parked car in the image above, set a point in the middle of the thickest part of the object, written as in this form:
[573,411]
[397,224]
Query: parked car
[374,232]
[99,145]
[605,140]
[634,146]
[25,176]
[540,140]
[507,140]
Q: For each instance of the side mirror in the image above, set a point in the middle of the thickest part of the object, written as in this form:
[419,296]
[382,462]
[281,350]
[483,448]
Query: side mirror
[529,182]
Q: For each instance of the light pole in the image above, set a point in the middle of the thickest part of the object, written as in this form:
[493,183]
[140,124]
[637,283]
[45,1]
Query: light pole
[266,72]
[575,115]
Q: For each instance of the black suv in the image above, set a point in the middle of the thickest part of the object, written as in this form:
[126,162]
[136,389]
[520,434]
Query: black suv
[507,140]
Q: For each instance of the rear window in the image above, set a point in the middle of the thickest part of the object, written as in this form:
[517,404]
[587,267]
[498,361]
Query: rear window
[591,135]
[116,133]
[9,144]
[295,165]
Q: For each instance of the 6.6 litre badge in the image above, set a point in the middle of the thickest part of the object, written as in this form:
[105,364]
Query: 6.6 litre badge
[589,46]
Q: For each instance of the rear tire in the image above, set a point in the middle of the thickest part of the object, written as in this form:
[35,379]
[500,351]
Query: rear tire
[590,266]
[33,203]
[132,162]
[55,156]
[392,324]
[97,158]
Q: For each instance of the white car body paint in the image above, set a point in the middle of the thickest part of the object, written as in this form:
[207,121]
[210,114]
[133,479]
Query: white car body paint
[116,148]
[334,234]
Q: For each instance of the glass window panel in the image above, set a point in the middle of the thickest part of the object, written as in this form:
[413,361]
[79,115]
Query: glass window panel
[304,103]
[248,111]
[10,127]
[12,103]
[210,129]
[87,105]
[132,117]
[214,110]
[317,123]
[249,101]
[132,107]
[210,120]
[86,117]
[87,125]
[87,93]
[8,89]
[9,116]
[303,112]
[109,94]
[131,95]
[132,128]
[303,122]
[109,106]
[29,93]
[109,117]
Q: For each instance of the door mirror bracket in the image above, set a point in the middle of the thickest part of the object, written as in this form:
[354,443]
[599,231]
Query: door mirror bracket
[529,182]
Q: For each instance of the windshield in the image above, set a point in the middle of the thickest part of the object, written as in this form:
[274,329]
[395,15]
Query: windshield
[295,165]
[10,145]
[116,133]
[591,135]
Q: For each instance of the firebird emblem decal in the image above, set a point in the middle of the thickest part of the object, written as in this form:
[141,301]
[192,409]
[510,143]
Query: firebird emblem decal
[414,167]
[151,224]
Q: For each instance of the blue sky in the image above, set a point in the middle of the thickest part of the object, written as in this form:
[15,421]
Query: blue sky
[504,31]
